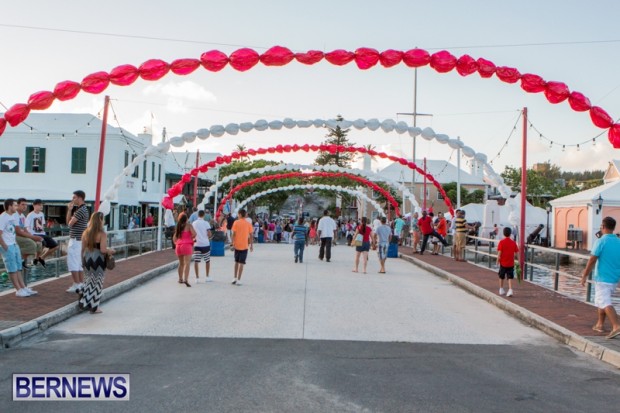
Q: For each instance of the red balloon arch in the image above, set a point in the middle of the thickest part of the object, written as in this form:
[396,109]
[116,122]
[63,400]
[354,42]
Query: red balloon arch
[268,178]
[364,57]
[176,189]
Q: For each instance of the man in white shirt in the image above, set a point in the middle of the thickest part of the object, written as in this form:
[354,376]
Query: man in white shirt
[202,246]
[9,249]
[327,231]
[35,223]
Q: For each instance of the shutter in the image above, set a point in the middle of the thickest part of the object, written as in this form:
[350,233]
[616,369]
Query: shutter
[42,160]
[29,159]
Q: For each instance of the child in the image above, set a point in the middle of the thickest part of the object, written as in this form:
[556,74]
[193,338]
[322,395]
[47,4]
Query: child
[506,250]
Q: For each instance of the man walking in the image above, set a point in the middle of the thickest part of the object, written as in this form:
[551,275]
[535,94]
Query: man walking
[381,240]
[77,219]
[202,246]
[241,238]
[604,259]
[426,226]
[300,235]
[327,231]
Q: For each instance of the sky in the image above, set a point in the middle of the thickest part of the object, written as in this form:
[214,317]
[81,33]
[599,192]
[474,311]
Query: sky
[571,41]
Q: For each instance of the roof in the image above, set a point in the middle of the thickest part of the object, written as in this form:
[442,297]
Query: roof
[610,193]
[442,171]
[65,123]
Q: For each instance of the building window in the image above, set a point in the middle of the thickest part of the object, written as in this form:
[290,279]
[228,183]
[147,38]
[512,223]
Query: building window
[126,158]
[136,172]
[144,170]
[78,160]
[159,173]
[35,160]
[152,171]
[422,193]
[439,196]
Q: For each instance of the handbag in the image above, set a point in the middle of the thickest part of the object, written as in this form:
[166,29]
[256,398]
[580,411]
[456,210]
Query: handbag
[110,262]
[358,240]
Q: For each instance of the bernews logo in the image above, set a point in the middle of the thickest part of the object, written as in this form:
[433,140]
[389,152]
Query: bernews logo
[42,387]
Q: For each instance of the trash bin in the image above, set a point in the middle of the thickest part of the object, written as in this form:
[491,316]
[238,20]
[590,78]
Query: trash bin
[217,244]
[392,251]
[261,237]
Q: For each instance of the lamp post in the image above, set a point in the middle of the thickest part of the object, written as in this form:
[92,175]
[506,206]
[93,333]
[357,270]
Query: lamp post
[548,208]
[599,204]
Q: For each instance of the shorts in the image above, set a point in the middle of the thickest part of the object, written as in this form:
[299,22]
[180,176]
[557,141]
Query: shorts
[459,240]
[364,247]
[27,246]
[202,254]
[74,255]
[506,272]
[184,249]
[382,250]
[12,258]
[602,294]
[48,242]
[241,256]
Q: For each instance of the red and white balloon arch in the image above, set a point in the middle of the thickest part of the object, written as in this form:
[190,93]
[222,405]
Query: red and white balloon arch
[336,188]
[266,178]
[364,57]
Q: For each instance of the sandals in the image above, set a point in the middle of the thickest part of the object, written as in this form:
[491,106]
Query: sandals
[598,329]
[187,283]
[181,282]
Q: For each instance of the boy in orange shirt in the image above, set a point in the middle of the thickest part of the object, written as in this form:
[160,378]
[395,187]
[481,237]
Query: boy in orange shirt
[242,237]
[506,250]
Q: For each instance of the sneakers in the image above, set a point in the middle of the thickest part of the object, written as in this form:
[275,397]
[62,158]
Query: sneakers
[502,291]
[234,281]
[509,293]
[73,288]
[31,291]
[238,283]
[208,280]
[197,281]
[22,293]
[296,259]
[42,262]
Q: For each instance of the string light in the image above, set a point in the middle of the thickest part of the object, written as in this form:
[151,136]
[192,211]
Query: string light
[552,143]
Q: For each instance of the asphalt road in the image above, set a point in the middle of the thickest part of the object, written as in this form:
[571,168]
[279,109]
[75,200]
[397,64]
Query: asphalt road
[313,338]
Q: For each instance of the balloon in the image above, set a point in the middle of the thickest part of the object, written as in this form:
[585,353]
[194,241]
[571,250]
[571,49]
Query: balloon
[416,58]
[599,117]
[213,60]
[277,56]
[95,82]
[508,74]
[67,90]
[389,58]
[443,61]
[244,59]
[184,66]
[40,100]
[556,92]
[365,57]
[17,114]
[486,68]
[532,83]
[578,102]
[310,57]
[124,75]
[339,57]
[153,69]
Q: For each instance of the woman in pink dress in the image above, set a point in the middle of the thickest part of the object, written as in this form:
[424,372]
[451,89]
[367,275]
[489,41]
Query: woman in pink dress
[313,233]
[184,235]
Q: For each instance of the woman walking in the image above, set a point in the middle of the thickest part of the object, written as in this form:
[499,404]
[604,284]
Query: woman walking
[364,232]
[313,234]
[415,233]
[184,235]
[94,250]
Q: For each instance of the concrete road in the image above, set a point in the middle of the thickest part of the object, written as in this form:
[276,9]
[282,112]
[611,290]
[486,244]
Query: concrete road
[313,338]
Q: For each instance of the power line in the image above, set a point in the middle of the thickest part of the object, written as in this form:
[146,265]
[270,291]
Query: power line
[514,128]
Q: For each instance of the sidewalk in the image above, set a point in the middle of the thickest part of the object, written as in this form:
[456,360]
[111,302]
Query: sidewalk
[567,320]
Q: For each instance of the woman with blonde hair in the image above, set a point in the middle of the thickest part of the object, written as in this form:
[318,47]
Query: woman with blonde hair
[94,250]
[184,235]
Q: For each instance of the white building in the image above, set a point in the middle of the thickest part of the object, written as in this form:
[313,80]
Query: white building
[51,155]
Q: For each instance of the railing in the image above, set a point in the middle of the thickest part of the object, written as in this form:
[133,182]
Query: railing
[535,258]
[127,243]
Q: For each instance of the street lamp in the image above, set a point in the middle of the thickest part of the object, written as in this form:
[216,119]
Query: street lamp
[548,208]
[599,204]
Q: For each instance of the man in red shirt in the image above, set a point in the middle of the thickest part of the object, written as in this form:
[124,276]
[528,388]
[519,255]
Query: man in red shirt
[506,250]
[149,221]
[426,227]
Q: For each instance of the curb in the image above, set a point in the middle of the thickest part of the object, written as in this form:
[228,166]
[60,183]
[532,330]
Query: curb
[548,327]
[12,336]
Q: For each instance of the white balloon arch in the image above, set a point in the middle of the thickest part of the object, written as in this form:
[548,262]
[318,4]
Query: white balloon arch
[387,125]
[337,188]
[327,168]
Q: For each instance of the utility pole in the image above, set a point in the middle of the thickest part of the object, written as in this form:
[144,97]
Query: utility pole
[415,115]
[104,126]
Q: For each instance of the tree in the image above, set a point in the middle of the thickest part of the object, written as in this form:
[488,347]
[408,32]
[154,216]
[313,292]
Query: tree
[336,136]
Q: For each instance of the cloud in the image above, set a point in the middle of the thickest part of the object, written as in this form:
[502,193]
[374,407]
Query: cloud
[179,91]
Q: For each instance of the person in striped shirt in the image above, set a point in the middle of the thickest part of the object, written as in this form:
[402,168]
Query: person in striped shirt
[77,220]
[300,235]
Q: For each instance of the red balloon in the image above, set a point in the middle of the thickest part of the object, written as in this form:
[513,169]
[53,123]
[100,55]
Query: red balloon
[211,164]
[184,66]
[466,65]
[486,68]
[154,69]
[277,56]
[203,168]
[40,100]
[556,92]
[339,57]
[96,82]
[287,148]
[578,102]
[219,160]
[365,57]
[389,58]
[214,60]
[17,114]
[402,161]
[314,148]
[244,59]
[271,150]
[508,74]
[532,83]
[305,147]
[416,58]
[124,75]
[383,155]
[251,152]
[613,135]
[186,178]
[167,202]
[261,151]
[599,117]
[227,159]
[310,57]
[443,61]
[67,90]
[235,155]
[2,125]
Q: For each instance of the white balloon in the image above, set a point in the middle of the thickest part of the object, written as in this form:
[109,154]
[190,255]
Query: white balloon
[428,133]
[261,125]
[164,146]
[275,125]
[217,131]
[232,129]
[304,123]
[480,157]
[413,132]
[288,123]
[246,126]
[151,150]
[203,133]
[388,125]
[401,127]
[104,207]
[359,123]
[189,137]
[467,151]
[345,124]
[318,123]
[331,123]
[441,138]
[373,124]
[177,141]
